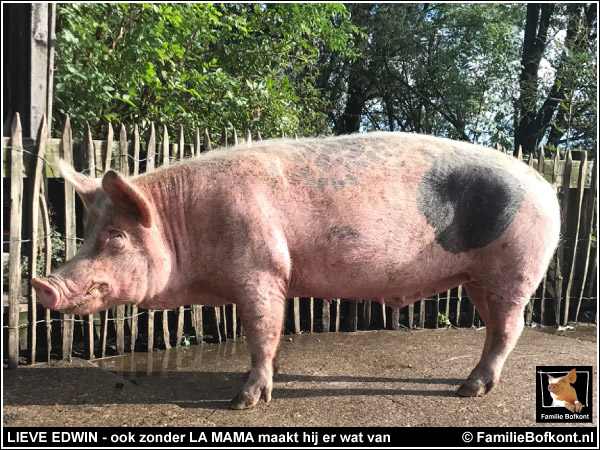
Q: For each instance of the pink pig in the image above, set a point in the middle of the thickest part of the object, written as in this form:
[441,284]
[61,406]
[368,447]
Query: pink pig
[391,217]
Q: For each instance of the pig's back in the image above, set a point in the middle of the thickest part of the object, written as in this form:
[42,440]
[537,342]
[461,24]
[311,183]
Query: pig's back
[383,213]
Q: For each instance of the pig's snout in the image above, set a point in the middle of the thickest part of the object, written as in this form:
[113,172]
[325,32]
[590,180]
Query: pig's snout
[552,387]
[48,294]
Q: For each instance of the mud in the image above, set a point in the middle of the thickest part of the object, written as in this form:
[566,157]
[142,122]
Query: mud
[375,378]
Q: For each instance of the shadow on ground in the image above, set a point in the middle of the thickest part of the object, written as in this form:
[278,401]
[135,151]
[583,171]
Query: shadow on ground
[378,378]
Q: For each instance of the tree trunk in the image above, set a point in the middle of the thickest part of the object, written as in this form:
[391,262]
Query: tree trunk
[358,77]
[534,43]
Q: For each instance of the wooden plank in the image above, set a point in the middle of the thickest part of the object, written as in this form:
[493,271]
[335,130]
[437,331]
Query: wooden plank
[382,316]
[224,322]
[541,159]
[326,319]
[447,306]
[150,337]
[459,293]
[89,153]
[207,145]
[436,311]
[296,313]
[520,153]
[103,332]
[353,315]
[422,314]
[109,147]
[577,211]
[530,304]
[88,320]
[197,144]
[410,316]
[165,324]
[555,168]
[165,150]
[235,137]
[34,233]
[136,150]
[123,151]
[180,317]
[181,143]
[70,233]
[395,318]
[224,138]
[16,216]
[258,136]
[336,304]
[542,303]
[564,206]
[38,71]
[311,306]
[234,320]
[588,222]
[249,138]
[48,257]
[197,323]
[151,149]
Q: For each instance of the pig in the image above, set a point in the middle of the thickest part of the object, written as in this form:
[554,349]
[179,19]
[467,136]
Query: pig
[562,393]
[388,217]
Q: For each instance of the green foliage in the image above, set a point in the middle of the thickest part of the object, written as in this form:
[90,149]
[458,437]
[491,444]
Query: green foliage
[197,64]
[443,321]
[442,69]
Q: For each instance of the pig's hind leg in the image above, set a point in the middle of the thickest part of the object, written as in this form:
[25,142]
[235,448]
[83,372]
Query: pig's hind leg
[502,312]
[261,313]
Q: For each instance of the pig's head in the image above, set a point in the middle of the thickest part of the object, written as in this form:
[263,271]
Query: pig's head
[121,253]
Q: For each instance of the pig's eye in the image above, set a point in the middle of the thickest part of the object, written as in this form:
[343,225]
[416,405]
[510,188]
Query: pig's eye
[115,240]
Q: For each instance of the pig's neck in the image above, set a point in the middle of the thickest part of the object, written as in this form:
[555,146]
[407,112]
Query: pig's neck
[177,196]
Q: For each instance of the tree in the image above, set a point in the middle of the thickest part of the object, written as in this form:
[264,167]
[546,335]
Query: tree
[430,68]
[208,65]
[546,112]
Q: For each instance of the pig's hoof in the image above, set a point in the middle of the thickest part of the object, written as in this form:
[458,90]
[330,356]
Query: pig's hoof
[466,390]
[243,401]
[476,388]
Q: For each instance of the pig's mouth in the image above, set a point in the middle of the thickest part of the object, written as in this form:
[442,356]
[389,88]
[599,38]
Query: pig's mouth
[56,295]
[95,292]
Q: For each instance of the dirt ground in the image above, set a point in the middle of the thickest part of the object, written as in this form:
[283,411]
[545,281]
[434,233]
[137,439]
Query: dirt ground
[373,378]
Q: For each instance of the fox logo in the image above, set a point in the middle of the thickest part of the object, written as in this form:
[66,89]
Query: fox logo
[563,394]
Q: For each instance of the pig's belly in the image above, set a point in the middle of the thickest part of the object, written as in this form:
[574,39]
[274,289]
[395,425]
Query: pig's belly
[394,282]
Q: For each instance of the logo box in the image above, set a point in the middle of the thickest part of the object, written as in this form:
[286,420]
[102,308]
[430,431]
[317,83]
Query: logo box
[546,412]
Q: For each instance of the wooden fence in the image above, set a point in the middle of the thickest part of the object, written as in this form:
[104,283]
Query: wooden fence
[566,294]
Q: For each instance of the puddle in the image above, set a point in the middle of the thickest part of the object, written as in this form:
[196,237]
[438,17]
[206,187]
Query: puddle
[178,359]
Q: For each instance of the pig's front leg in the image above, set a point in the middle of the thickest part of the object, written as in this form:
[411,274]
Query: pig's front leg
[261,313]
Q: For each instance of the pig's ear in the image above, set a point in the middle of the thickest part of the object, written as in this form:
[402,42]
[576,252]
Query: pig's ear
[86,187]
[550,379]
[127,196]
[572,377]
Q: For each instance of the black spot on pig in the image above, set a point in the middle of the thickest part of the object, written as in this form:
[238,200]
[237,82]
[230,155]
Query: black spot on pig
[322,162]
[345,232]
[337,183]
[468,202]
